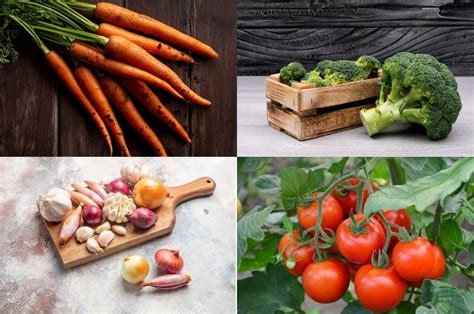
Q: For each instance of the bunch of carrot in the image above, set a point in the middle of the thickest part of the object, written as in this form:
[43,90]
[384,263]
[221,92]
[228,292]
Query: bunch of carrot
[110,61]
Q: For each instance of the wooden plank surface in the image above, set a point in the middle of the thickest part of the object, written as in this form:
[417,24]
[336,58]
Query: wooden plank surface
[40,117]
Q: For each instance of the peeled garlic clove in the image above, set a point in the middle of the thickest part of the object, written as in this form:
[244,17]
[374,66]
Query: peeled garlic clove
[105,238]
[103,227]
[93,246]
[83,234]
[120,230]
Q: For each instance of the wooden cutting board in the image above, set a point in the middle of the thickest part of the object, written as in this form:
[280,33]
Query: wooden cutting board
[74,253]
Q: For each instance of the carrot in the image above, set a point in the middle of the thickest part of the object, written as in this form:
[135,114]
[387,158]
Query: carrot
[65,74]
[92,89]
[126,18]
[94,57]
[151,45]
[152,103]
[130,53]
[119,97]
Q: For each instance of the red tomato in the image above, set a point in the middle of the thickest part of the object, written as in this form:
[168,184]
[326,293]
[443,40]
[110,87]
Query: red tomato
[414,260]
[303,256]
[379,289]
[326,281]
[399,217]
[331,211]
[348,198]
[358,249]
[439,263]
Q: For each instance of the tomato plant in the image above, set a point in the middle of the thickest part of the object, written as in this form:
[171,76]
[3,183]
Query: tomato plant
[406,243]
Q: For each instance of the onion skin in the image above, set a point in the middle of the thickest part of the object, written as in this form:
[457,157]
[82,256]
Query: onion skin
[118,186]
[89,193]
[70,225]
[142,218]
[79,198]
[135,269]
[97,188]
[92,215]
[169,261]
[149,193]
[167,282]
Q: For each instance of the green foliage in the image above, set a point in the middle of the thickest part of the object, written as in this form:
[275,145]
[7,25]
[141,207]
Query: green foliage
[442,298]
[419,167]
[355,307]
[451,237]
[260,253]
[268,184]
[295,183]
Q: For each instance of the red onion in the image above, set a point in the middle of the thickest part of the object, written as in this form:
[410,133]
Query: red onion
[118,186]
[169,261]
[92,215]
[167,282]
[142,218]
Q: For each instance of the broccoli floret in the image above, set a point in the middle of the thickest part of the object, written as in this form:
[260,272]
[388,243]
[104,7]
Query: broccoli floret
[315,78]
[340,71]
[369,64]
[294,71]
[416,88]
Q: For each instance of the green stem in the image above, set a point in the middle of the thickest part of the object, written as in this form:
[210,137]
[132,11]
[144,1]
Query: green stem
[54,13]
[79,18]
[31,32]
[436,224]
[397,173]
[82,6]
[72,33]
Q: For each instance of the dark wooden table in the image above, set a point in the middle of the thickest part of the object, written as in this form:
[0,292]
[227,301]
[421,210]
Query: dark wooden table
[38,117]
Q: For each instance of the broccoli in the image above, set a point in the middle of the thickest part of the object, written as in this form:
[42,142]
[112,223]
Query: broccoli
[315,78]
[416,88]
[331,73]
[369,64]
[294,71]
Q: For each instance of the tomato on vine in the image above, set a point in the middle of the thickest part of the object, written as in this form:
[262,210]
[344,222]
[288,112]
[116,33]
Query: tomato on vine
[348,198]
[332,214]
[326,281]
[414,260]
[438,268]
[295,259]
[379,289]
[358,248]
[399,217]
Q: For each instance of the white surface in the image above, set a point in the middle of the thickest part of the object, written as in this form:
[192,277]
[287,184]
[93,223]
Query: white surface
[33,279]
[256,138]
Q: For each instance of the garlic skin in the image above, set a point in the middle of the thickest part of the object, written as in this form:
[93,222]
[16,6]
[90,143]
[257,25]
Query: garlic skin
[117,206]
[93,246]
[105,238]
[83,234]
[133,171]
[54,204]
[102,227]
[120,230]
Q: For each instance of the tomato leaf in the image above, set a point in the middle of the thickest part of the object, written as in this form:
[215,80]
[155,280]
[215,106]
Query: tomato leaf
[250,227]
[339,166]
[450,236]
[471,252]
[268,184]
[422,192]
[424,310]
[252,164]
[296,182]
[418,167]
[259,254]
[443,298]
[355,307]
[269,291]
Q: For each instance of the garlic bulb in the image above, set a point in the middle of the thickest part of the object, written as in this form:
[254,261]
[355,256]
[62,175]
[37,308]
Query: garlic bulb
[116,206]
[54,204]
[133,171]
[83,234]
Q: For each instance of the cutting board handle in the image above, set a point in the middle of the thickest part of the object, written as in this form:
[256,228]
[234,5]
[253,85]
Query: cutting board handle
[201,187]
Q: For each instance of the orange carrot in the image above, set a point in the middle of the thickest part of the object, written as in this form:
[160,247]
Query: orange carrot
[126,18]
[130,53]
[151,45]
[94,57]
[152,103]
[119,97]
[92,89]
[67,77]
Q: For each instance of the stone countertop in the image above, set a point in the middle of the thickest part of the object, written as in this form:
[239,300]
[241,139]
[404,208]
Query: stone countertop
[257,138]
[33,279]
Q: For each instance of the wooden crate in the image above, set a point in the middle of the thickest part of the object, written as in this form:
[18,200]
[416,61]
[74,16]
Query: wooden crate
[304,97]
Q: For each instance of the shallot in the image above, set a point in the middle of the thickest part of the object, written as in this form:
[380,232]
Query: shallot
[70,225]
[142,218]
[92,215]
[118,186]
[167,282]
[79,198]
[169,261]
[135,268]
[96,187]
[89,193]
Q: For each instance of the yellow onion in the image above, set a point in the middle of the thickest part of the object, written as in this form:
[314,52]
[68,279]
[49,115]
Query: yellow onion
[149,193]
[135,268]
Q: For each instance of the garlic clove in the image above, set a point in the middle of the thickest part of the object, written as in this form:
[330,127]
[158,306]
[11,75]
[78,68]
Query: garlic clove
[105,238]
[93,246]
[102,227]
[120,230]
[83,234]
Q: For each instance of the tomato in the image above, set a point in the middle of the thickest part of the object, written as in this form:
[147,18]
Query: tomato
[439,263]
[358,249]
[379,289]
[331,212]
[353,268]
[414,260]
[399,217]
[303,256]
[326,281]
[348,198]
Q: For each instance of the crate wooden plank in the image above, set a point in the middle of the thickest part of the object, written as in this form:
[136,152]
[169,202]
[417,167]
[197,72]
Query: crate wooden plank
[320,124]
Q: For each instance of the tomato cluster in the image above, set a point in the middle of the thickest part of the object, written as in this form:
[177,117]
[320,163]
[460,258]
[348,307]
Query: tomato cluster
[378,289]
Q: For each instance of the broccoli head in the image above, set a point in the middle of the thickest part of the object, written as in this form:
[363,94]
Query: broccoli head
[369,64]
[340,71]
[315,78]
[416,88]
[294,71]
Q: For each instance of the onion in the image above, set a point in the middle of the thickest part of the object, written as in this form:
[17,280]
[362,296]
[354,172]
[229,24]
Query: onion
[92,215]
[135,268]
[149,193]
[118,186]
[142,218]
[169,261]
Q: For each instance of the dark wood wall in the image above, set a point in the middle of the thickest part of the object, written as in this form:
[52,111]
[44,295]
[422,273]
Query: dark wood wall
[272,33]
